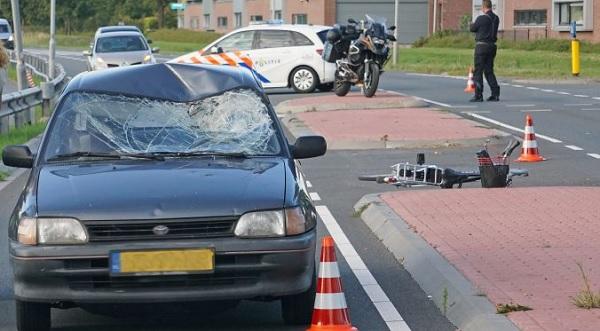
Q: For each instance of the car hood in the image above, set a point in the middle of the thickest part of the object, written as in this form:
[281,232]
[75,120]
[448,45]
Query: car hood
[161,189]
[121,58]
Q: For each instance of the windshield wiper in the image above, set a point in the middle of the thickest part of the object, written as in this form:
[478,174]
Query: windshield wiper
[202,154]
[77,155]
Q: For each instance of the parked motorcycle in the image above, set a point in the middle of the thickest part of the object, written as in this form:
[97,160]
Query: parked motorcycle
[360,51]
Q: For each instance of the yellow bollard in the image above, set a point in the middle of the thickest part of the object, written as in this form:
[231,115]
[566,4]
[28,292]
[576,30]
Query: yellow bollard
[575,61]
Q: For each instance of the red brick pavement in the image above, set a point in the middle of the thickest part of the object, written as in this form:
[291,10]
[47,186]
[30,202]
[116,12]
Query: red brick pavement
[405,124]
[517,245]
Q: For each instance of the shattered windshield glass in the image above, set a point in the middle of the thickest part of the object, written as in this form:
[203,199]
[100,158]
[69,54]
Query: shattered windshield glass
[234,122]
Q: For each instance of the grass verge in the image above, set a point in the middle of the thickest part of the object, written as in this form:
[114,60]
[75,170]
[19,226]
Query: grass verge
[3,175]
[169,40]
[12,75]
[586,298]
[509,63]
[22,134]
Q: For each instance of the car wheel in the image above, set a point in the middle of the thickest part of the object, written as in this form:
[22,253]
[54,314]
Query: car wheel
[297,309]
[304,80]
[325,87]
[32,316]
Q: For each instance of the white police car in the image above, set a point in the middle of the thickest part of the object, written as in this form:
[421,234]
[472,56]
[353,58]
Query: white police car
[280,55]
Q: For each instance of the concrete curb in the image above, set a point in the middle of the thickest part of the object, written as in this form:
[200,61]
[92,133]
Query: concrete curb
[465,307]
[298,128]
[288,107]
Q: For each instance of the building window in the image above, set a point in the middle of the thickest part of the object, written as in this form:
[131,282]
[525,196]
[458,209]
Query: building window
[570,12]
[206,21]
[530,17]
[299,19]
[194,23]
[277,15]
[256,18]
[222,21]
[238,20]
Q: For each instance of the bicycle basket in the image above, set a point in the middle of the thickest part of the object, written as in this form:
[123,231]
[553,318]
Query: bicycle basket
[493,175]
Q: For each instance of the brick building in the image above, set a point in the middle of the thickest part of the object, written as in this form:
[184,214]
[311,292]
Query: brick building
[531,19]
[415,16]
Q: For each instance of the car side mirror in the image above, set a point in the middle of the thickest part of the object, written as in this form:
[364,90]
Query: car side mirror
[352,21]
[309,146]
[216,50]
[18,156]
[87,53]
[391,37]
[149,41]
[155,50]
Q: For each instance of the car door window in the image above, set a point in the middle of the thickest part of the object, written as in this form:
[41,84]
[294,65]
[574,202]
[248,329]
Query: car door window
[300,39]
[274,39]
[241,41]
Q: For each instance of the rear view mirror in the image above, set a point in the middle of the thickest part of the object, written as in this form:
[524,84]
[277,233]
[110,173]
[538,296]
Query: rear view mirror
[18,156]
[149,41]
[309,146]
[87,53]
[155,50]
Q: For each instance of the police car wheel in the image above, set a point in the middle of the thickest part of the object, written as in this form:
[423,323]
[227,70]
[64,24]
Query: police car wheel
[304,80]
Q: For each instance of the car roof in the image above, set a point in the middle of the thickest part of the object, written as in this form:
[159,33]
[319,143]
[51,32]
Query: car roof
[165,81]
[3,21]
[120,33]
[113,28]
[291,27]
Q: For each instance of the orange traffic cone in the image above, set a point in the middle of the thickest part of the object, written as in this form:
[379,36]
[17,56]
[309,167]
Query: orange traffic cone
[529,150]
[470,83]
[331,311]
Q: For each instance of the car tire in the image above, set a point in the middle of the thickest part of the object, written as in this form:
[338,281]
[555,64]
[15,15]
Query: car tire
[32,316]
[304,80]
[325,87]
[297,309]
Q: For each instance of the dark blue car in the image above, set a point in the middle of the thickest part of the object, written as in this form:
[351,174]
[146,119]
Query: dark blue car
[163,183]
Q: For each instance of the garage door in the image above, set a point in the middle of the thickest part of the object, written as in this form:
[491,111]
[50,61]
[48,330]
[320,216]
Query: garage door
[412,19]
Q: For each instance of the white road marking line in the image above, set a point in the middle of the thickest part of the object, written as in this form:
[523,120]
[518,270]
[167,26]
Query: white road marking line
[564,93]
[533,88]
[308,184]
[477,112]
[596,98]
[578,104]
[382,303]
[594,155]
[541,136]
[590,109]
[518,106]
[573,147]
[534,110]
[548,91]
[434,102]
[460,106]
[504,84]
[581,96]
[315,196]
[515,85]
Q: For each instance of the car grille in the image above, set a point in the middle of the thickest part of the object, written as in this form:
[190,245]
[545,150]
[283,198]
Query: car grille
[112,65]
[102,280]
[150,229]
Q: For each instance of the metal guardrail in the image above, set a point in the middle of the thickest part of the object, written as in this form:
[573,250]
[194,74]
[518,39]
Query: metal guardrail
[18,108]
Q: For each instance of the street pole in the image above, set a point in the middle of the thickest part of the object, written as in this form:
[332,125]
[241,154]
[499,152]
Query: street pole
[52,43]
[435,9]
[21,82]
[395,50]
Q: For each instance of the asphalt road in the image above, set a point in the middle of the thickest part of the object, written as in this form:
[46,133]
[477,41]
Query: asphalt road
[334,179]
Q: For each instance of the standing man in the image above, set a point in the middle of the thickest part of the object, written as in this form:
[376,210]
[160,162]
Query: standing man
[486,35]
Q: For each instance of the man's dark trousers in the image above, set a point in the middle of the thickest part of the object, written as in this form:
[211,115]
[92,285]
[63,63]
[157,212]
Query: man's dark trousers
[485,53]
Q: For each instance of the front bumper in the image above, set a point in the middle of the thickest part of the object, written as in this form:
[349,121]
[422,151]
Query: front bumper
[9,44]
[244,269]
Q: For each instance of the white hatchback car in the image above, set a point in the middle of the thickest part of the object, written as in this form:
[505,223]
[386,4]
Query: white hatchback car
[280,55]
[117,49]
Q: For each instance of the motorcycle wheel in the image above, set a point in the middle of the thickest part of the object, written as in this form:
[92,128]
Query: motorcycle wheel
[371,80]
[341,87]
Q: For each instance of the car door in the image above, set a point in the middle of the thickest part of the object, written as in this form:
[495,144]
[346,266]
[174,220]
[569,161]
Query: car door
[233,50]
[277,53]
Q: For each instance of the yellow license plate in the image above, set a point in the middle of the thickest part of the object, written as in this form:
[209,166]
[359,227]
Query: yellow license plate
[174,261]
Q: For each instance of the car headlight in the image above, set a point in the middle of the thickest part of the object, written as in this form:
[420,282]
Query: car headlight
[273,223]
[149,59]
[51,231]
[10,38]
